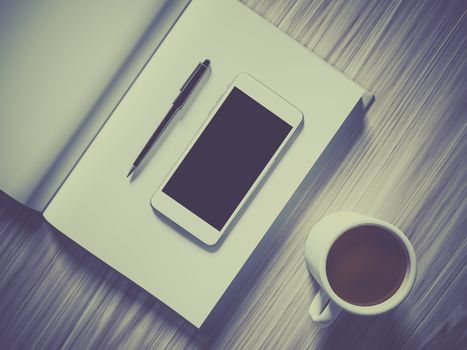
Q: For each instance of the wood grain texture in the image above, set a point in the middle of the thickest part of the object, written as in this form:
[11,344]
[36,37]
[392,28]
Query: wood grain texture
[406,165]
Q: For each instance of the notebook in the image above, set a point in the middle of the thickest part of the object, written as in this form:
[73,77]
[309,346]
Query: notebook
[111,217]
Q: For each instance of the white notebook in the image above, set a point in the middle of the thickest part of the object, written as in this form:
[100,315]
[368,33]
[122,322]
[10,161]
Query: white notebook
[100,209]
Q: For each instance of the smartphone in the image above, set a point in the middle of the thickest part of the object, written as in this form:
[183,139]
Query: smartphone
[227,159]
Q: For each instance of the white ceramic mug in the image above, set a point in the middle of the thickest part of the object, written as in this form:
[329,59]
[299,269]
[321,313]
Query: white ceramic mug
[327,304]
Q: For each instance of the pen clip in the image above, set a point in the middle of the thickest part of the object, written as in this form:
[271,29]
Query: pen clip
[190,77]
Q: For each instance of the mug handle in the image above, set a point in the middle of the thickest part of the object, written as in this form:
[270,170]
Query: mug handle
[323,310]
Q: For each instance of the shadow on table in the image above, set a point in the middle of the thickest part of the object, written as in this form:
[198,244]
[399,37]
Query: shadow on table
[357,332]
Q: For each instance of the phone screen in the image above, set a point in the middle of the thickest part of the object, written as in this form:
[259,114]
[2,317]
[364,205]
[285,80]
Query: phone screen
[227,158]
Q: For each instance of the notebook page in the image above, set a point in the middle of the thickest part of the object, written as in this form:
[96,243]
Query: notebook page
[64,65]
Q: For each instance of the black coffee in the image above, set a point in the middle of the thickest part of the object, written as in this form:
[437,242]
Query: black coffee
[366,265]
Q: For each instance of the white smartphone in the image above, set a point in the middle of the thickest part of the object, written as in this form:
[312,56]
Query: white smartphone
[225,162]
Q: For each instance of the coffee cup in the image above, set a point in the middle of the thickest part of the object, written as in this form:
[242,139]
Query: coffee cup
[363,265]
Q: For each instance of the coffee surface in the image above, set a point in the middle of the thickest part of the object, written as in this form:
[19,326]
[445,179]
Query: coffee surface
[366,265]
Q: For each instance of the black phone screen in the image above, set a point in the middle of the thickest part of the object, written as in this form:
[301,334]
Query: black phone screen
[227,158]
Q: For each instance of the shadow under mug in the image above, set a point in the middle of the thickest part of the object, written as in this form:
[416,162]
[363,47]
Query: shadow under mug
[327,305]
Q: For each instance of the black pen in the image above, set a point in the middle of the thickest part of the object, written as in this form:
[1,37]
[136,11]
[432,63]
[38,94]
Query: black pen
[177,104]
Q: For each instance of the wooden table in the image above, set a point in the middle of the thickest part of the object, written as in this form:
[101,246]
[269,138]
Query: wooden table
[406,165]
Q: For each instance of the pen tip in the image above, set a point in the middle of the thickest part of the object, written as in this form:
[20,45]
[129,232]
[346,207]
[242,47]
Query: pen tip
[131,170]
[206,62]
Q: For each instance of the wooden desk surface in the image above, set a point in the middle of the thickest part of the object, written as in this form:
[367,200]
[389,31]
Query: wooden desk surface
[407,166]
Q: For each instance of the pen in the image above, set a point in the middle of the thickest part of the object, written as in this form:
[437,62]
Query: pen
[177,104]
